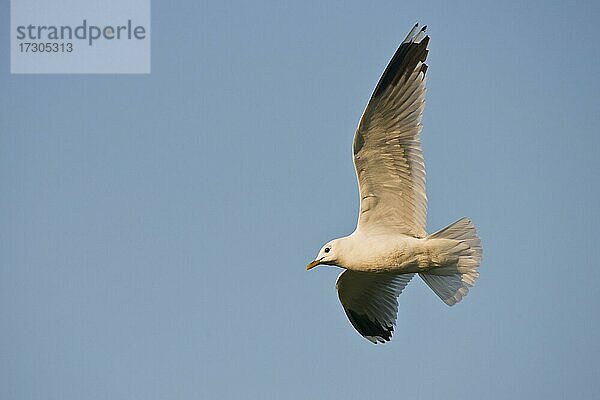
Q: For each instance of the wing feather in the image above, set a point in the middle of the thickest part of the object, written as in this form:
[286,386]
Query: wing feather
[370,301]
[387,150]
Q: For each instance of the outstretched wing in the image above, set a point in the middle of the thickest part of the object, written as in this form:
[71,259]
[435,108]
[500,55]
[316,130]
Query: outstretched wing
[387,150]
[370,301]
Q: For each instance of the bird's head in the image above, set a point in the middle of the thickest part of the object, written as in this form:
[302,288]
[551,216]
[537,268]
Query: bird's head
[328,255]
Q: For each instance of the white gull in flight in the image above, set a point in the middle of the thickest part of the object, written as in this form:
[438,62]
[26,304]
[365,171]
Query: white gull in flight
[389,244]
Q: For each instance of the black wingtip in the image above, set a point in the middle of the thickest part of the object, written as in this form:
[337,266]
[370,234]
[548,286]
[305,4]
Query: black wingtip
[404,61]
[372,330]
[423,28]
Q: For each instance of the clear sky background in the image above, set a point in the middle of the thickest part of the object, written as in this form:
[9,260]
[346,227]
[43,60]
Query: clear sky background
[155,229]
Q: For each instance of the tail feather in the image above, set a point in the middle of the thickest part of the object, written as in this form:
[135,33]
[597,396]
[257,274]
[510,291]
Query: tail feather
[451,282]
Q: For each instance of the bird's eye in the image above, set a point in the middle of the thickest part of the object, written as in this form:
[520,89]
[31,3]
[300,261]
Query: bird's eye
[327,249]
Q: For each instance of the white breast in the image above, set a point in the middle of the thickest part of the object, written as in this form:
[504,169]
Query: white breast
[380,253]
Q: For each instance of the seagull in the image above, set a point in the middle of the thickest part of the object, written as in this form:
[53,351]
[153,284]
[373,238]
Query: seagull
[390,244]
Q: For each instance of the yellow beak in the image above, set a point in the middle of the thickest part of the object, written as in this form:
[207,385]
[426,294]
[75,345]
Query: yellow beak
[313,264]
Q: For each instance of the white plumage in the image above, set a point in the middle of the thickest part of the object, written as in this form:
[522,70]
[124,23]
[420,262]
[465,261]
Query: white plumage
[390,243]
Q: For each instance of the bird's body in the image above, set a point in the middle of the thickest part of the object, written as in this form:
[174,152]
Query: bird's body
[390,243]
[402,254]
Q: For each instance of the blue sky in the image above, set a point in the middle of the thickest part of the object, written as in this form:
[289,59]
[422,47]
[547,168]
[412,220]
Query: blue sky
[155,228]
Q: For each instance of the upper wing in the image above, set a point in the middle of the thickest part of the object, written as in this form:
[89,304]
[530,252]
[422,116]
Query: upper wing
[387,150]
[370,301]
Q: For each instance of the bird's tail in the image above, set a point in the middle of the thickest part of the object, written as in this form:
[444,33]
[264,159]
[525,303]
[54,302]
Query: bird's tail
[451,281]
